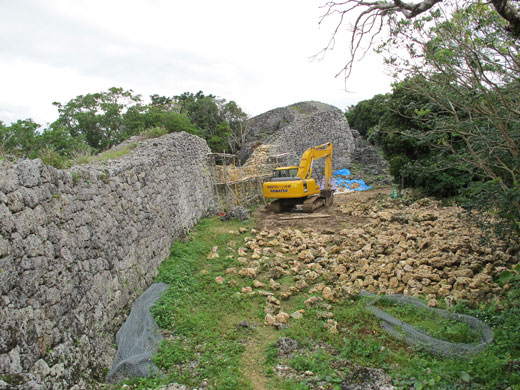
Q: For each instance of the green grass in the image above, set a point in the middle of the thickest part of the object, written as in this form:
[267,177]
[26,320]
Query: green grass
[362,341]
[153,132]
[105,156]
[200,315]
[52,158]
[201,312]
[430,323]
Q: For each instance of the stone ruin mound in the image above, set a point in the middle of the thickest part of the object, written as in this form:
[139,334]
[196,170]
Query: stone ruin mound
[280,136]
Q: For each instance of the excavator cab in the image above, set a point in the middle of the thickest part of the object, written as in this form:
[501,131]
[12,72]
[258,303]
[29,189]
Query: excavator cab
[285,173]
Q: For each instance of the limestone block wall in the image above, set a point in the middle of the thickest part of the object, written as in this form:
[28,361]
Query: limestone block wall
[78,246]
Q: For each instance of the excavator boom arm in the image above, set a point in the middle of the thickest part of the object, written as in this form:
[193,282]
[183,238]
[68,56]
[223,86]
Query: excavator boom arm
[315,153]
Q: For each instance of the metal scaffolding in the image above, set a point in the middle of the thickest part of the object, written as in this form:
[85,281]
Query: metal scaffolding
[237,185]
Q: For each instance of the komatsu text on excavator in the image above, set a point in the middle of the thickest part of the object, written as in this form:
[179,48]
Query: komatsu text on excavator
[293,185]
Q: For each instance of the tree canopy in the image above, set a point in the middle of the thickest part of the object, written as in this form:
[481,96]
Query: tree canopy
[95,122]
[452,124]
[103,118]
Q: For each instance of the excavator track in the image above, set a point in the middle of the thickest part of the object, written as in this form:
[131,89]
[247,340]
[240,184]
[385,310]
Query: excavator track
[282,205]
[313,203]
[275,206]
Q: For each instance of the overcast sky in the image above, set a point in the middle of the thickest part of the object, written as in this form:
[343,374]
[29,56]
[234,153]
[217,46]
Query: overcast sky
[255,53]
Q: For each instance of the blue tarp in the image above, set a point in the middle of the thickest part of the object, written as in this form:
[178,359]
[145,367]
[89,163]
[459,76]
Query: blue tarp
[348,183]
[342,172]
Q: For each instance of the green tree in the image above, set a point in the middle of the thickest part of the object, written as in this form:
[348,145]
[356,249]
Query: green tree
[103,118]
[468,67]
[222,124]
[463,58]
[96,121]
[202,110]
[409,144]
[373,19]
[218,140]
[59,140]
[238,129]
[165,112]
[366,114]
[20,138]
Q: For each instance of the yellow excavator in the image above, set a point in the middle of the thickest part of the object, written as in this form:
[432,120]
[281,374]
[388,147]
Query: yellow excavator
[291,186]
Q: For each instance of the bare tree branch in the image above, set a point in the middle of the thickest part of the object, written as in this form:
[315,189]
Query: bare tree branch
[372,17]
[412,10]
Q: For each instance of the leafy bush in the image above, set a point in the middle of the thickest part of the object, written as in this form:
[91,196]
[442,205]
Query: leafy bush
[154,132]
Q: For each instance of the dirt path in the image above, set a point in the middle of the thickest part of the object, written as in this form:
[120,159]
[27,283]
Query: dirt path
[254,356]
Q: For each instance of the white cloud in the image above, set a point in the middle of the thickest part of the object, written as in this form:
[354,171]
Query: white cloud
[254,53]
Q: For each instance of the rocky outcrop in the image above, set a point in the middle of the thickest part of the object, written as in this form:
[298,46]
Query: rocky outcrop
[291,130]
[78,246]
[368,163]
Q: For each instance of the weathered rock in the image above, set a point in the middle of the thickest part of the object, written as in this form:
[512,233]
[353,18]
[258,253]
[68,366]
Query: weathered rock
[282,317]
[312,301]
[366,378]
[237,212]
[385,216]
[274,285]
[298,314]
[327,294]
[213,254]
[269,319]
[434,254]
[301,285]
[271,300]
[258,284]
[248,272]
[331,325]
[289,131]
[286,346]
[285,295]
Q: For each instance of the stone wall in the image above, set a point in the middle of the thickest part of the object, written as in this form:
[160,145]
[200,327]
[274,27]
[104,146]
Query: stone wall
[78,246]
[368,163]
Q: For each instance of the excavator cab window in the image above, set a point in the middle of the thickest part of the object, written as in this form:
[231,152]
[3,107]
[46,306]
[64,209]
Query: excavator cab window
[281,173]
